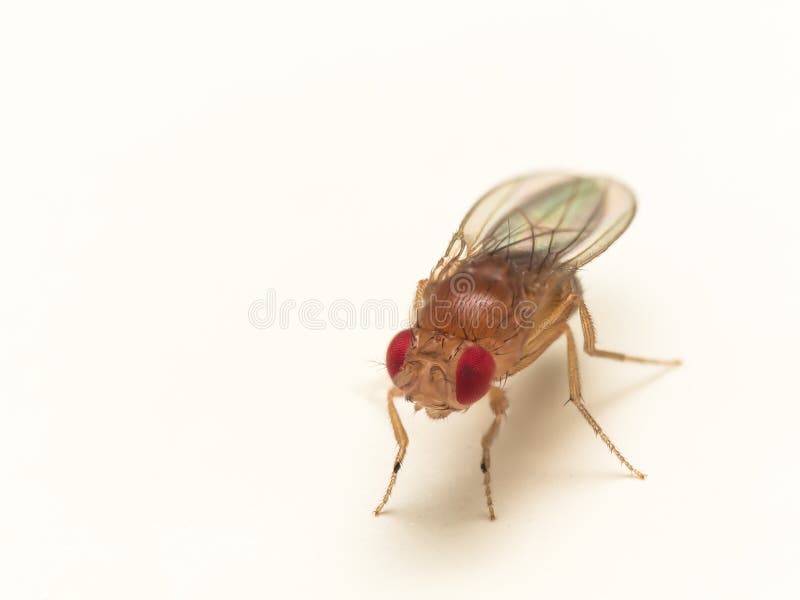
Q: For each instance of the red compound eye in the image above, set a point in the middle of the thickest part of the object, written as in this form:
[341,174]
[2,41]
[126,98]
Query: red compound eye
[474,374]
[396,352]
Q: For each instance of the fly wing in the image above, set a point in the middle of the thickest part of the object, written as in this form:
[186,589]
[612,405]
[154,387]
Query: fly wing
[543,221]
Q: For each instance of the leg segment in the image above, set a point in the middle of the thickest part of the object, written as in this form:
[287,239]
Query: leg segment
[589,340]
[575,397]
[402,441]
[499,404]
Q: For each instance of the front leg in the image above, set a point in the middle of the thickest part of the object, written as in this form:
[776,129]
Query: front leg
[402,442]
[499,404]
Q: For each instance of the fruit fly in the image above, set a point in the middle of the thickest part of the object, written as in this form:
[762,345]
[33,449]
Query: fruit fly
[501,294]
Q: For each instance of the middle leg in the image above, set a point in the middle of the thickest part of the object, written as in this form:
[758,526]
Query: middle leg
[577,400]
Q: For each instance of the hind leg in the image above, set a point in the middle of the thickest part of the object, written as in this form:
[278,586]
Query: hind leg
[587,325]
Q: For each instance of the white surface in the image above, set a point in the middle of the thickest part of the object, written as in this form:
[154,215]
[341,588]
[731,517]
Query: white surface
[164,165]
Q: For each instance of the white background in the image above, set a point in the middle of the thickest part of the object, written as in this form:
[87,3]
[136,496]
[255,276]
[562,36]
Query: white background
[164,165]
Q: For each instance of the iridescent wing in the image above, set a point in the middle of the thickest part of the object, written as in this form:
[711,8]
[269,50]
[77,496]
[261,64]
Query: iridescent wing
[543,221]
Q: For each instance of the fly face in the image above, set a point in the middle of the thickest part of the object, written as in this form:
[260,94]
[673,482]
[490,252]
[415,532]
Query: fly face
[438,372]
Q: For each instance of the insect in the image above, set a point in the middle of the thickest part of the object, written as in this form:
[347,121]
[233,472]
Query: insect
[501,294]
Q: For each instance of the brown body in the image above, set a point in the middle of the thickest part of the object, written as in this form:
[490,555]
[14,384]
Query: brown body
[507,284]
[513,312]
[495,304]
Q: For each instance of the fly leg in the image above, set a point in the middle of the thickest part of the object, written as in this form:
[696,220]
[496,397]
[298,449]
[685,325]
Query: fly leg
[575,397]
[402,441]
[499,404]
[589,340]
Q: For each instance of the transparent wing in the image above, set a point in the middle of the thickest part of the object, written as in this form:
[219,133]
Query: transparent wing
[542,221]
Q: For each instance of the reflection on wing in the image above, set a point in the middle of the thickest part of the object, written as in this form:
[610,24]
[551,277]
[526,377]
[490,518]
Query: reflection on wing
[542,221]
